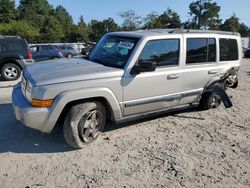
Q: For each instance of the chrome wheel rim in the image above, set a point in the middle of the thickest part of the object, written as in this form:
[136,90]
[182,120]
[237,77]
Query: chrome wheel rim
[89,128]
[11,72]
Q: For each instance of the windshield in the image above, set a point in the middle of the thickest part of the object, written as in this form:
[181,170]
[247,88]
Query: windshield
[113,51]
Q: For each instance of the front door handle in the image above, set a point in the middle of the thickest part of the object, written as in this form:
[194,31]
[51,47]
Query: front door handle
[212,72]
[173,76]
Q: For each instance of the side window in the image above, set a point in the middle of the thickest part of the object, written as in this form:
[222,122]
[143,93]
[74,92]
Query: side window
[45,48]
[34,49]
[15,44]
[201,50]
[228,50]
[164,52]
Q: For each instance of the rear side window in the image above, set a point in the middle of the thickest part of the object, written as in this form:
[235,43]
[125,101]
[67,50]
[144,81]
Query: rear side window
[46,48]
[163,52]
[201,50]
[12,44]
[228,50]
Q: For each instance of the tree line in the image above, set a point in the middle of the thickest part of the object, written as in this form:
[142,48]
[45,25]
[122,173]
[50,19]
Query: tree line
[40,22]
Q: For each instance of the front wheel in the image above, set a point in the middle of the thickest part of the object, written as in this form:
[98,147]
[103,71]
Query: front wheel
[10,71]
[83,123]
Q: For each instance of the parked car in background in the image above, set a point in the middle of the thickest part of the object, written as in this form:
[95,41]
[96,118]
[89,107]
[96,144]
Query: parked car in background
[89,46]
[247,53]
[68,51]
[46,52]
[14,55]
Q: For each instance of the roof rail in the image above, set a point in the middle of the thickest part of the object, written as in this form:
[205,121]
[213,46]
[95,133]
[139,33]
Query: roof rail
[203,31]
[9,36]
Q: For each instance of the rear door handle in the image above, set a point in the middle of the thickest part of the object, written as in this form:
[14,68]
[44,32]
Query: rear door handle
[173,76]
[212,72]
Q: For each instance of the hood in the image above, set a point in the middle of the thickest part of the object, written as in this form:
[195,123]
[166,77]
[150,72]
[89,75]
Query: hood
[68,70]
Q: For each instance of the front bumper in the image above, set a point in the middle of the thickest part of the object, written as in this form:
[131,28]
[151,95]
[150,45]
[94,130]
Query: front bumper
[30,116]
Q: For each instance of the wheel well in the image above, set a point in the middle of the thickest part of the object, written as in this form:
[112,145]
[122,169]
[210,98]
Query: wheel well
[11,61]
[109,111]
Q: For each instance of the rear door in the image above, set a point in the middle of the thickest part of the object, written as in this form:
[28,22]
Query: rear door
[200,65]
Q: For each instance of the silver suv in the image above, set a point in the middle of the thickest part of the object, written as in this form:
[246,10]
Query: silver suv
[128,75]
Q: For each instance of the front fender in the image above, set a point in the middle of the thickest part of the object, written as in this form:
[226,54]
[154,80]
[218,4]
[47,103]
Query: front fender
[66,97]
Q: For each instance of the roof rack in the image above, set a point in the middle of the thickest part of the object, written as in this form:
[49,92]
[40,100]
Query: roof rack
[9,36]
[203,31]
[193,31]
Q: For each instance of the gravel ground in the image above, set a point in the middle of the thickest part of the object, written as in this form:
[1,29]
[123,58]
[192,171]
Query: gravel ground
[183,149]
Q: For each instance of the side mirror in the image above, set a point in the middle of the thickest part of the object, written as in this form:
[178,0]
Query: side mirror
[144,66]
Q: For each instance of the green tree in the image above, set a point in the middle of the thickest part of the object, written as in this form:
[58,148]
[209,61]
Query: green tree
[169,19]
[65,21]
[36,12]
[22,29]
[204,14]
[151,21]
[99,28]
[231,24]
[80,31]
[131,20]
[244,30]
[109,25]
[51,31]
[7,11]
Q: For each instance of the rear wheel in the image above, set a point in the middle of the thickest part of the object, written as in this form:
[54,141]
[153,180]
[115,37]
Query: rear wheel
[83,123]
[209,100]
[10,71]
[69,56]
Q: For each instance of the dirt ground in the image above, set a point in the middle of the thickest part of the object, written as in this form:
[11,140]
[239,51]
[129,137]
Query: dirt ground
[183,149]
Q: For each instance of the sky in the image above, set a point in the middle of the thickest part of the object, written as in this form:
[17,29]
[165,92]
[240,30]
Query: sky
[102,9]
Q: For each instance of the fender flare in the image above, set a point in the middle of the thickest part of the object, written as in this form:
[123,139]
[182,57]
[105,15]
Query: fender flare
[69,96]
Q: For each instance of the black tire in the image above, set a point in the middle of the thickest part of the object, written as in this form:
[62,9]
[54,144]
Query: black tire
[209,100]
[69,55]
[83,123]
[10,71]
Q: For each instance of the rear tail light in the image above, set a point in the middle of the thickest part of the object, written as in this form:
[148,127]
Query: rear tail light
[29,54]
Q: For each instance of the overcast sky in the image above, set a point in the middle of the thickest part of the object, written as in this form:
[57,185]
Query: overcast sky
[101,9]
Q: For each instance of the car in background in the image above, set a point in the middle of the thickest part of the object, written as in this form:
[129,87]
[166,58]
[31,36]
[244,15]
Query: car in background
[14,56]
[68,51]
[89,46]
[46,52]
[247,53]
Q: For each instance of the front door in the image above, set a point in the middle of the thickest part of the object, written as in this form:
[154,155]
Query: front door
[150,91]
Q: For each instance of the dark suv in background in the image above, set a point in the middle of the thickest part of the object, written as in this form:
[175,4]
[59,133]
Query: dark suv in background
[14,55]
[45,52]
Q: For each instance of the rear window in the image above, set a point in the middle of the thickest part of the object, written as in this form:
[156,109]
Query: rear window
[228,50]
[201,50]
[12,44]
